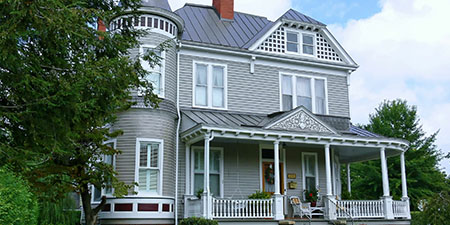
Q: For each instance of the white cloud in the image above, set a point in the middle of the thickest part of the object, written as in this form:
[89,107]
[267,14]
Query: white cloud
[403,52]
[265,8]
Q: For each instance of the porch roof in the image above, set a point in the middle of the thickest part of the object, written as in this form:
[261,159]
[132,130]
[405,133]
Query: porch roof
[353,143]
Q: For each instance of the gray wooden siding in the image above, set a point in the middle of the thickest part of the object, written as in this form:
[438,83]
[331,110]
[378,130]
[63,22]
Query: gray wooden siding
[146,123]
[259,92]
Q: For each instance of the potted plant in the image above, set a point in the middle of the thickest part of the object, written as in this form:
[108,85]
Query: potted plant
[311,196]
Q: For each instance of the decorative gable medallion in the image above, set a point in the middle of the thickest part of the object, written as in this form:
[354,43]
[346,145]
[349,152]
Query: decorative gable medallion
[300,120]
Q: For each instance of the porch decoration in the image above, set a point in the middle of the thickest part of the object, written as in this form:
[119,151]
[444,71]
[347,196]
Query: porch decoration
[311,196]
[269,175]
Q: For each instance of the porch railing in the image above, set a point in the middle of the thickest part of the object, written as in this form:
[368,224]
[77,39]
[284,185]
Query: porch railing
[248,208]
[360,209]
[400,208]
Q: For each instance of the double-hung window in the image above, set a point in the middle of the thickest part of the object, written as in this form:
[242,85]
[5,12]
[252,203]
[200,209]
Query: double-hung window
[210,85]
[300,43]
[108,189]
[215,170]
[310,171]
[304,91]
[148,166]
[155,72]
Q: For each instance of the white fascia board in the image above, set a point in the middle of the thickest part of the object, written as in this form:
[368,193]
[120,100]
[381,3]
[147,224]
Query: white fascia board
[339,47]
[275,26]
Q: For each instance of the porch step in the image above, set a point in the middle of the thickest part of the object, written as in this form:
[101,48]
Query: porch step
[286,222]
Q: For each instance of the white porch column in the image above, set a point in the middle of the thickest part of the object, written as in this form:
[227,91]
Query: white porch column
[349,181]
[278,199]
[206,197]
[330,199]
[405,197]
[388,211]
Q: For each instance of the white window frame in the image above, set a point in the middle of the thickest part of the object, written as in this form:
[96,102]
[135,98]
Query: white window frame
[209,83]
[160,167]
[220,149]
[162,66]
[300,34]
[294,90]
[103,193]
[316,168]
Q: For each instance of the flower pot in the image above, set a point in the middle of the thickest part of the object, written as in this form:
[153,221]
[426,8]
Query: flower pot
[313,204]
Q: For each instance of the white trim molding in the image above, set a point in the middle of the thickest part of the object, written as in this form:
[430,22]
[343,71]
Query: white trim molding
[159,168]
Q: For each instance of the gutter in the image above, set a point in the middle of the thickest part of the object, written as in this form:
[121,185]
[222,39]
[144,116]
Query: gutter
[177,136]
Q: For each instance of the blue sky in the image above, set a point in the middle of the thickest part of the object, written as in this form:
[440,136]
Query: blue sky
[337,11]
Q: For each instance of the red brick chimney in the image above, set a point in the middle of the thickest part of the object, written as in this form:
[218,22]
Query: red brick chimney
[225,8]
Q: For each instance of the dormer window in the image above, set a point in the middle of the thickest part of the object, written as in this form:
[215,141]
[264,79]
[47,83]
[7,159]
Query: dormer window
[306,91]
[299,42]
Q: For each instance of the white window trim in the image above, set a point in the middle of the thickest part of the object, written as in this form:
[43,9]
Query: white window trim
[300,42]
[163,67]
[281,159]
[294,90]
[103,193]
[303,169]
[160,167]
[193,148]
[209,84]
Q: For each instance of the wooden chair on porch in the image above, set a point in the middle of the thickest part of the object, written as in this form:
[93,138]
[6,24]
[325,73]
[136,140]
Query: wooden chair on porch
[299,208]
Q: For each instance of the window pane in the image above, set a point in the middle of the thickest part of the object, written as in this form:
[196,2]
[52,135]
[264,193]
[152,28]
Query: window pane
[200,96]
[109,159]
[286,86]
[310,183]
[218,76]
[154,151]
[303,87]
[292,37]
[143,155]
[287,102]
[305,101]
[291,47]
[201,74]
[320,96]
[214,162]
[308,50]
[214,184]
[218,98]
[148,180]
[198,182]
[97,194]
[199,162]
[308,39]
[155,80]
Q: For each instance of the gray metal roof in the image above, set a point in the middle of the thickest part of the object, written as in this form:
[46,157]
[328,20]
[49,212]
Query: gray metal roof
[240,120]
[297,16]
[163,4]
[203,25]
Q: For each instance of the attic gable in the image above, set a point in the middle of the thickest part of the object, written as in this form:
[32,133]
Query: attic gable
[299,119]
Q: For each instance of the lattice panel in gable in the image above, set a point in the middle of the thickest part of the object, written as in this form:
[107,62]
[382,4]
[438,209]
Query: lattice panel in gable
[325,51]
[275,42]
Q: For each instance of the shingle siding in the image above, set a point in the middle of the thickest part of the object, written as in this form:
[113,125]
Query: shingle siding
[259,92]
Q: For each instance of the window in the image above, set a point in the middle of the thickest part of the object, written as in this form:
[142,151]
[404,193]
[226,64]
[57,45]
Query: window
[310,171]
[308,91]
[148,166]
[156,73]
[215,170]
[107,190]
[209,85]
[293,40]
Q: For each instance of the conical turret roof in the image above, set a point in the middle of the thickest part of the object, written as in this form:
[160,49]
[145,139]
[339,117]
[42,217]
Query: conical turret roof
[163,4]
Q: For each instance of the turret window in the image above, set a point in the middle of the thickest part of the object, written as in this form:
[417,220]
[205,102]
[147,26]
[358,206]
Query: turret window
[155,74]
[160,24]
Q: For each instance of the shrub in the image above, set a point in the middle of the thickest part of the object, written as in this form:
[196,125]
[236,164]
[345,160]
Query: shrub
[198,221]
[199,193]
[62,212]
[260,195]
[17,204]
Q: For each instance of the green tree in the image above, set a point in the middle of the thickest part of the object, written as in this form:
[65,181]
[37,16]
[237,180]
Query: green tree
[397,119]
[17,204]
[435,210]
[62,83]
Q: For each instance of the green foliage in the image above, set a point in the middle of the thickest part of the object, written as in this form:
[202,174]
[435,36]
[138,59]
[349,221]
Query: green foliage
[62,85]
[61,212]
[18,205]
[260,195]
[436,210]
[198,221]
[199,193]
[397,119]
[311,195]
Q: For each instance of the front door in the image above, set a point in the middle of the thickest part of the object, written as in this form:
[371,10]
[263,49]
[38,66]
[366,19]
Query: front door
[268,176]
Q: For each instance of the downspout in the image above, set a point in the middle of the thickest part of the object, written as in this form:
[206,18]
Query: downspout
[177,133]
